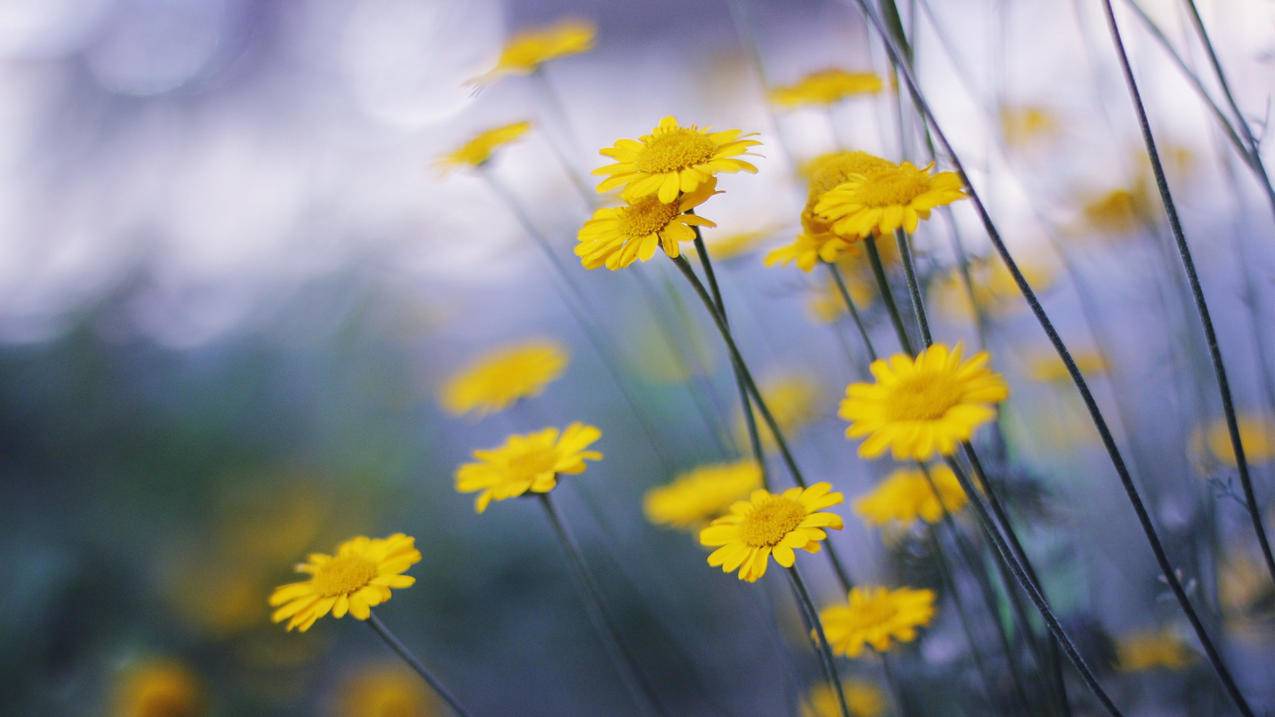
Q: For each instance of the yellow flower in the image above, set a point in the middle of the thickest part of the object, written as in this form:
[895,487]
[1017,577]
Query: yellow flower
[158,688]
[905,496]
[1023,125]
[385,690]
[877,617]
[615,237]
[792,400]
[499,378]
[477,150]
[827,306]
[771,524]
[1256,435]
[737,244]
[899,197]
[994,288]
[863,698]
[697,496]
[1141,651]
[922,407]
[1242,585]
[528,50]
[356,578]
[826,87]
[527,462]
[1119,211]
[1049,367]
[673,159]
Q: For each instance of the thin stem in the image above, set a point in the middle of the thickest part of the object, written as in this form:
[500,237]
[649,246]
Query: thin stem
[813,623]
[914,288]
[883,285]
[896,687]
[414,662]
[854,310]
[625,663]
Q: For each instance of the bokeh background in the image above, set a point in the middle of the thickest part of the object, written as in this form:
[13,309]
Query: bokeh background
[233,279]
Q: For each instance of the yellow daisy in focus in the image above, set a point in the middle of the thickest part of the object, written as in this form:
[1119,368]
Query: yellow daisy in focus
[876,617]
[357,577]
[1256,433]
[864,699]
[528,462]
[1023,125]
[477,150]
[1049,367]
[615,237]
[1141,651]
[899,197]
[385,690]
[673,160]
[906,496]
[497,379]
[770,524]
[922,407]
[793,400]
[158,688]
[826,87]
[700,495]
[526,51]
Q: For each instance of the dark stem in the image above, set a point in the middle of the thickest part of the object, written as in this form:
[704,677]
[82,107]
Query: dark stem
[414,662]
[810,614]
[914,288]
[883,285]
[854,310]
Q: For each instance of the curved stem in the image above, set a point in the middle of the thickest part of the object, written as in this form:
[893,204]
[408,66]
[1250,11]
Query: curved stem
[414,662]
[815,625]
[854,310]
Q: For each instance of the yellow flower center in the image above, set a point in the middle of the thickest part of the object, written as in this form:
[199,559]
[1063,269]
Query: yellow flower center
[876,612]
[343,575]
[531,463]
[771,522]
[893,188]
[646,217]
[924,397]
[675,150]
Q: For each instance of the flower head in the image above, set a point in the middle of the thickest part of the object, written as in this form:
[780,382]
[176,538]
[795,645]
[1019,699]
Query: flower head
[355,578]
[499,378]
[700,495]
[994,287]
[527,462]
[1021,126]
[734,245]
[826,87]
[528,50]
[1257,435]
[478,149]
[615,237]
[771,524]
[877,617]
[1049,367]
[158,688]
[673,160]
[865,699]
[921,407]
[385,690]
[792,400]
[1119,211]
[826,305]
[906,496]
[1142,651]
[898,197]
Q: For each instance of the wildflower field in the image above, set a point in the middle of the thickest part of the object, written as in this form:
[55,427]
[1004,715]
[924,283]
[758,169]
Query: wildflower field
[844,358]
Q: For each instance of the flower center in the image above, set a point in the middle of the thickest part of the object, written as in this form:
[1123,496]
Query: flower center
[876,612]
[923,398]
[647,216]
[771,522]
[891,188]
[343,575]
[530,463]
[675,150]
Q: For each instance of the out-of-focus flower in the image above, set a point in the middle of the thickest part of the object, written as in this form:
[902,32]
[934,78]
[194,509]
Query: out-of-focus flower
[700,495]
[1021,126]
[158,688]
[1141,651]
[1243,586]
[1119,211]
[865,699]
[478,149]
[656,360]
[1256,434]
[732,246]
[219,598]
[499,378]
[673,159]
[877,617]
[770,524]
[792,400]
[1049,367]
[526,51]
[354,579]
[527,462]
[826,87]
[615,237]
[994,288]
[923,407]
[827,306]
[894,198]
[906,496]
[384,690]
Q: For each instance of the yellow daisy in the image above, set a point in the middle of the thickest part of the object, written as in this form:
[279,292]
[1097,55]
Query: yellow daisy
[1119,211]
[355,579]
[478,149]
[1023,125]
[673,159]
[792,399]
[697,496]
[499,378]
[923,407]
[906,496]
[615,237]
[826,305]
[1049,367]
[994,288]
[1141,651]
[826,87]
[527,462]
[864,699]
[735,245]
[526,51]
[899,197]
[876,617]
[1256,433]
[771,524]
[385,690]
[158,688]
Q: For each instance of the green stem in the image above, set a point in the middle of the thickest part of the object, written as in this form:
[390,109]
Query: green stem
[414,662]
[914,287]
[883,285]
[854,310]
[811,617]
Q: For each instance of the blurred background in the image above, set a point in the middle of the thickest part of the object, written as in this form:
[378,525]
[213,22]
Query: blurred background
[233,280]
